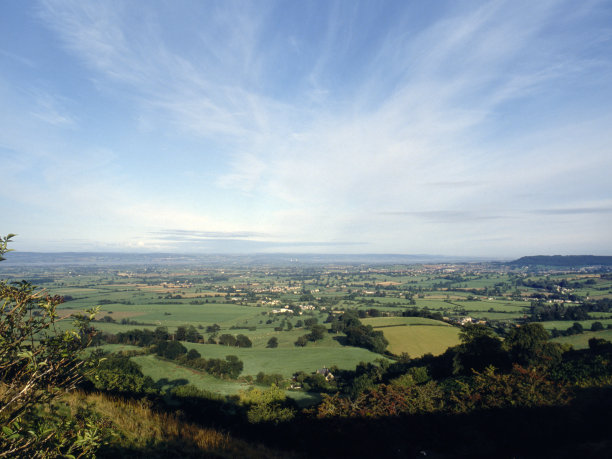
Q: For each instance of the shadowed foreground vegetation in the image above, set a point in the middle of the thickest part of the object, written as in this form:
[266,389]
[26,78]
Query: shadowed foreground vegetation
[577,429]
[133,428]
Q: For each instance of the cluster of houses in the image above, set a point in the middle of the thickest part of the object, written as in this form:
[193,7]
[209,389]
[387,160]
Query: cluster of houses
[465,320]
[325,372]
[270,302]
[176,284]
[288,310]
[284,289]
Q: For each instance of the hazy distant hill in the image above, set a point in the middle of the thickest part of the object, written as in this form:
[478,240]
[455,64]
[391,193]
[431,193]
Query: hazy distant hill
[280,259]
[565,261]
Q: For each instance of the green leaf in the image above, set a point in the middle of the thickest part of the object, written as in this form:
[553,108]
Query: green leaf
[25,354]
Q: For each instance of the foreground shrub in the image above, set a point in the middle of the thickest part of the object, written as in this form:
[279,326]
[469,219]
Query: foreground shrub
[519,388]
[486,390]
[117,373]
[270,405]
[37,364]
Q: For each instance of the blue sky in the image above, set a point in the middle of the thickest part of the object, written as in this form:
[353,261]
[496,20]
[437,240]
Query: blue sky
[458,128]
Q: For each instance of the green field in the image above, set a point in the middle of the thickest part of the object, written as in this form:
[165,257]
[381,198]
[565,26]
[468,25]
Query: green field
[377,322]
[416,335]
[288,359]
[565,324]
[581,341]
[168,375]
[173,315]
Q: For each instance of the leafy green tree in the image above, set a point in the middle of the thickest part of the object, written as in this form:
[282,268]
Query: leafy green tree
[37,365]
[575,329]
[528,345]
[243,341]
[234,366]
[227,340]
[137,337]
[350,319]
[117,373]
[414,376]
[360,384]
[365,336]
[598,344]
[224,368]
[272,342]
[555,333]
[597,326]
[4,245]
[192,354]
[337,326]
[473,332]
[170,349]
[191,334]
[479,349]
[269,405]
[181,333]
[301,341]
[161,333]
[269,379]
[317,333]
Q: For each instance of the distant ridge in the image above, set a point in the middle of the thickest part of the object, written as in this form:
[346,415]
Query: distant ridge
[279,259]
[565,261]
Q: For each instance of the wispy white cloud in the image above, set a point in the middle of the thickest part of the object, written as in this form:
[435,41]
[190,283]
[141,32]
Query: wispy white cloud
[574,211]
[178,234]
[391,131]
[49,109]
[205,97]
[20,59]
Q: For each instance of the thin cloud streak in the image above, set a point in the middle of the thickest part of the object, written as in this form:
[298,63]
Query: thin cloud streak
[574,211]
[187,234]
[445,215]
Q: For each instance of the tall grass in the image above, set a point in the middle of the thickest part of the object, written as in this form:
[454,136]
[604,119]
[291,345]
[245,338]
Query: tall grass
[141,431]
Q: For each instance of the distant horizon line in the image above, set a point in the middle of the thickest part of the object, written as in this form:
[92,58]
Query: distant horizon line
[293,254]
[416,257]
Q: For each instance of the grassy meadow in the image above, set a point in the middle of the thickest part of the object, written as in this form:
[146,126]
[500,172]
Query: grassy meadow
[581,341]
[415,335]
[289,359]
[564,324]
